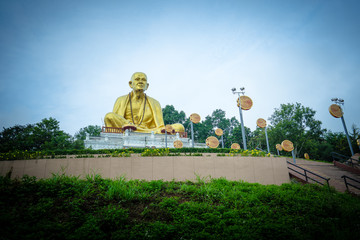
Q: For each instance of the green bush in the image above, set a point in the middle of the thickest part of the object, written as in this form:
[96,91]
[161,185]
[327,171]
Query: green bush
[89,153]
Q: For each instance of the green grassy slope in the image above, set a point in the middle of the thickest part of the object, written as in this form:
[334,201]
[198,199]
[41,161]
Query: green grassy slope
[96,208]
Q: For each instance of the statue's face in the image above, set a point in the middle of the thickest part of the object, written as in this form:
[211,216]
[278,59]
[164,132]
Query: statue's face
[139,82]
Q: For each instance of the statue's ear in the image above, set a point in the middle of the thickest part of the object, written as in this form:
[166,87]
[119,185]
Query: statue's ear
[130,82]
[147,86]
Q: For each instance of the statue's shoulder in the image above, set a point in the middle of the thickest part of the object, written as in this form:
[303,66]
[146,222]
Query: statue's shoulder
[153,100]
[122,98]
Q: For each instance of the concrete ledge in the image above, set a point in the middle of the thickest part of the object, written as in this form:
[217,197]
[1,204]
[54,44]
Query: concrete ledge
[261,170]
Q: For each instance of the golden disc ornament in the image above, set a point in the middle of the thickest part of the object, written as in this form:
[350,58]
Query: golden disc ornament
[178,144]
[335,111]
[306,156]
[246,102]
[195,118]
[235,146]
[219,132]
[168,128]
[261,123]
[212,142]
[278,147]
[287,145]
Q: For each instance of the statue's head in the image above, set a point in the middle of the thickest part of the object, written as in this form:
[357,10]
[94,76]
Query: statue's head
[139,81]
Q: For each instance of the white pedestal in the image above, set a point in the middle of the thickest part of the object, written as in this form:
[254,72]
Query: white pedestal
[136,140]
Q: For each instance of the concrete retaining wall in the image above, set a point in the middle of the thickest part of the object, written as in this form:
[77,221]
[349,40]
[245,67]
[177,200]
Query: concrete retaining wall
[249,169]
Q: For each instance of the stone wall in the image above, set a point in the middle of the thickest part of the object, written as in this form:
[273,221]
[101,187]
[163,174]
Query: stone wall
[262,170]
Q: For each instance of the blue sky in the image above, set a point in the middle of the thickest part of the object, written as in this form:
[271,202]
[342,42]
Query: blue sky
[71,59]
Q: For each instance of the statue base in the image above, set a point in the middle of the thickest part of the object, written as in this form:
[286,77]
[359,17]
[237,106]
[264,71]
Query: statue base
[137,140]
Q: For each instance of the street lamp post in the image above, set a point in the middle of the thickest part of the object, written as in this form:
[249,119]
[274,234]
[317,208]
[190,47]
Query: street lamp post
[241,117]
[340,101]
[267,140]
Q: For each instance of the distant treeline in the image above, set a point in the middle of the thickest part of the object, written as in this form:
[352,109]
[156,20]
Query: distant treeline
[293,122]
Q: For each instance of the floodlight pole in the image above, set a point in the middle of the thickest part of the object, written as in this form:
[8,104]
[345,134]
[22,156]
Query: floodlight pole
[241,118]
[192,134]
[293,155]
[340,101]
[347,135]
[267,140]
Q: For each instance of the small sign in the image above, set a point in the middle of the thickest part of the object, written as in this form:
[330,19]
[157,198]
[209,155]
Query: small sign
[212,142]
[168,128]
[195,118]
[278,147]
[235,146]
[261,123]
[178,144]
[287,145]
[246,102]
[306,156]
[335,111]
[219,132]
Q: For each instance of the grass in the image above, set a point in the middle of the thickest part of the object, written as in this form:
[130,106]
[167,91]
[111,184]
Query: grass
[65,207]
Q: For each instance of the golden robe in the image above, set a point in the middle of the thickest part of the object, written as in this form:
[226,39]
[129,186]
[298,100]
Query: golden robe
[150,120]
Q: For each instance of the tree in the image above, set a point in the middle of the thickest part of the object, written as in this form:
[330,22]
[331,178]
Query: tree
[354,135]
[295,123]
[92,130]
[207,127]
[171,115]
[16,137]
[257,140]
[236,137]
[45,135]
[80,136]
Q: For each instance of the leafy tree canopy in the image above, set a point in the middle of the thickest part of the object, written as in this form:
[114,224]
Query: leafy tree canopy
[92,130]
[40,136]
[171,115]
[296,123]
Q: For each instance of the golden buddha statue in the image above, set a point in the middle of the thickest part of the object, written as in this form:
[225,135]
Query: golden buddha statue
[138,110]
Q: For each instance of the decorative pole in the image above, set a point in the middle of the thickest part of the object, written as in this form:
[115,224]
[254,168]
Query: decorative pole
[165,138]
[288,146]
[192,134]
[336,111]
[261,123]
[194,118]
[241,106]
[267,140]
[278,148]
[167,129]
[219,132]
